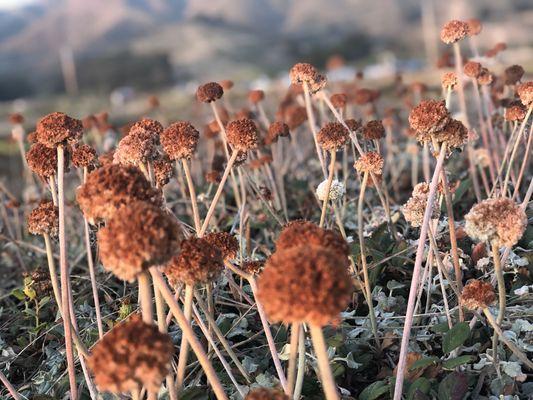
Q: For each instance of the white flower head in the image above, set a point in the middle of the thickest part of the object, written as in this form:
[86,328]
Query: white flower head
[335,192]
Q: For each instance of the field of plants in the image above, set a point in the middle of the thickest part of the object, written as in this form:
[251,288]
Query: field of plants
[325,240]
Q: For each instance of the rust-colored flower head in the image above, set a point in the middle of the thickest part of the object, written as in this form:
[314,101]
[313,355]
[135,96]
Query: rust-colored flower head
[252,267]
[136,148]
[525,92]
[275,130]
[163,170]
[32,137]
[303,73]
[499,221]
[132,355]
[498,48]
[242,134]
[137,237]
[365,96]
[453,31]
[428,117]
[112,187]
[515,112]
[373,130]
[212,177]
[485,77]
[226,84]
[44,219]
[147,125]
[353,124]
[209,92]
[225,242]
[338,100]
[477,294]
[333,136]
[294,115]
[106,158]
[415,207]
[266,394]
[301,233]
[180,140]
[197,262]
[474,26]
[513,74]
[454,134]
[84,156]
[472,69]
[42,160]
[256,96]
[370,162]
[304,284]
[449,80]
[16,119]
[57,129]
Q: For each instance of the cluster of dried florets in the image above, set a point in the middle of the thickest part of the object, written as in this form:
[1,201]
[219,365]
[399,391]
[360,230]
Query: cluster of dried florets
[525,92]
[180,140]
[453,31]
[275,131]
[137,148]
[303,73]
[370,162]
[266,394]
[44,219]
[477,294]
[449,80]
[242,134]
[83,156]
[209,92]
[373,130]
[58,129]
[333,136]
[42,160]
[225,242]
[163,170]
[415,207]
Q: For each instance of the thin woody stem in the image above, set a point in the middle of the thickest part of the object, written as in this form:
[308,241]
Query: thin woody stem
[312,126]
[184,347]
[328,188]
[293,353]
[501,294]
[326,376]
[12,391]
[192,195]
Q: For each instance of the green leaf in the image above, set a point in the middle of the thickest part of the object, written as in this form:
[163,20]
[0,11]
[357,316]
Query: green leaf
[440,328]
[455,362]
[421,384]
[19,294]
[373,391]
[453,387]
[424,362]
[455,337]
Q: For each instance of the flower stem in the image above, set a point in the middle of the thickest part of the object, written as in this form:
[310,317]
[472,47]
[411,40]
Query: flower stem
[328,188]
[192,195]
[501,294]
[293,353]
[184,347]
[326,376]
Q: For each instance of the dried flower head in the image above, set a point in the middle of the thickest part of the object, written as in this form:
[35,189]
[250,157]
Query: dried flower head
[454,134]
[209,92]
[148,126]
[137,237]
[266,394]
[57,129]
[513,74]
[163,170]
[225,242]
[226,84]
[242,134]
[428,117]
[525,92]
[477,294]
[294,115]
[373,130]
[353,124]
[333,136]
[338,100]
[180,140]
[252,267]
[449,80]
[415,207]
[136,148]
[132,355]
[16,118]
[197,262]
[256,96]
[275,130]
[305,73]
[84,156]
[453,31]
[336,190]
[485,77]
[499,221]
[112,187]
[212,177]
[472,69]
[370,162]
[515,112]
[474,26]
[365,96]
[42,160]
[304,284]
[44,219]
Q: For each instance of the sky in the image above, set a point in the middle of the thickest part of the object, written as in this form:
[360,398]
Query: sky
[12,4]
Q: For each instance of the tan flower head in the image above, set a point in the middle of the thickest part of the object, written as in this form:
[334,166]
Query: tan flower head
[413,210]
[304,284]
[226,84]
[147,125]
[370,162]
[353,124]
[42,160]
[513,74]
[499,221]
[477,294]
[136,148]
[180,140]
[515,112]
[137,237]
[294,115]
[84,156]
[209,92]
[242,134]
[474,26]
[472,69]
[198,262]
[305,73]
[333,136]
[453,31]
[112,187]
[365,96]
[163,170]
[256,96]
[373,130]
[525,92]
[44,219]
[132,355]
[454,134]
[449,80]
[428,117]
[225,242]
[275,130]
[58,128]
[266,394]
[338,100]
[485,77]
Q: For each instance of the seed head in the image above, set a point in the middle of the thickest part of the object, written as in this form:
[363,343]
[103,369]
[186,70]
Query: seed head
[499,221]
[44,219]
[163,170]
[266,394]
[132,355]
[373,130]
[515,112]
[242,134]
[212,177]
[252,267]
[209,92]
[477,294]
[428,117]
[42,160]
[256,96]
[474,26]
[305,73]
[304,284]
[84,155]
[415,207]
[16,118]
[525,92]
[112,187]
[136,148]
[513,74]
[149,126]
[180,140]
[137,237]
[449,80]
[454,134]
[485,77]
[58,129]
[333,136]
[365,96]
[338,100]
[225,242]
[275,130]
[453,31]
[336,190]
[294,115]
[472,69]
[353,124]
[370,162]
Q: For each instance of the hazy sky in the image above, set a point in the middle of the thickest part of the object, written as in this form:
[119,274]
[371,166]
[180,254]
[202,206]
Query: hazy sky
[10,4]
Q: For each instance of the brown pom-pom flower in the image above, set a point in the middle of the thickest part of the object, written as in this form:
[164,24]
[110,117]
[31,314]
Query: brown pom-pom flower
[449,80]
[275,130]
[472,69]
[242,134]
[163,170]
[513,74]
[225,242]
[453,31]
[198,262]
[136,148]
[42,160]
[353,124]
[365,96]
[454,134]
[338,100]
[474,26]
[499,221]
[477,294]
[58,128]
[428,117]
[304,284]
[305,73]
[294,115]
[413,210]
[226,84]
[256,96]
[209,92]
[137,237]
[112,187]
[147,125]
[84,156]
[180,140]
[485,77]
[333,136]
[515,112]
[370,162]
[16,118]
[44,219]
[252,267]
[373,130]
[525,92]
[266,394]
[132,355]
